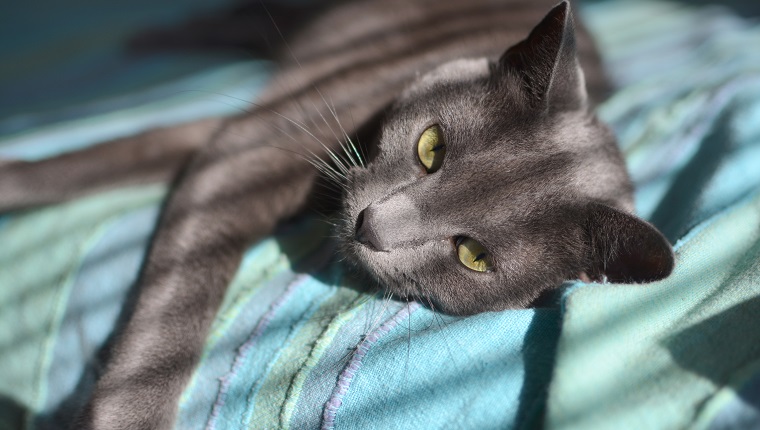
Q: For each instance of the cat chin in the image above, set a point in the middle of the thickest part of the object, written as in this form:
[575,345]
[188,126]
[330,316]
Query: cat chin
[377,266]
[403,284]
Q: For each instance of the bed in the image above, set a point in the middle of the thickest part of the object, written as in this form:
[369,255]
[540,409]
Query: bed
[294,347]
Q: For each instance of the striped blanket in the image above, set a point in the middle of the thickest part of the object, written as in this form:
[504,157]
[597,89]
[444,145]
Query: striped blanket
[294,346]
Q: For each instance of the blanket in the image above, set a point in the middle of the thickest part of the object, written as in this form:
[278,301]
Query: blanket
[295,345]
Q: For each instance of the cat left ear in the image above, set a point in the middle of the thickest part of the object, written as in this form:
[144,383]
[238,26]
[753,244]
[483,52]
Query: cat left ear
[547,64]
[625,248]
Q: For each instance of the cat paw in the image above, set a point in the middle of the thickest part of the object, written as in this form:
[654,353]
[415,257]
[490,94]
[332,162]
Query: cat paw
[127,407]
[123,414]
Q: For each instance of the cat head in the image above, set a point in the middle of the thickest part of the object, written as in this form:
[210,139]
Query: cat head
[495,181]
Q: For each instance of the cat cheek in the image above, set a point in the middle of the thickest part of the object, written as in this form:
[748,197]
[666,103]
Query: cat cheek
[355,172]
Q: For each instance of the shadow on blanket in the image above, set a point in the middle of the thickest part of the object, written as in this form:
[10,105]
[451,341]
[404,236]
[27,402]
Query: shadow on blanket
[12,414]
[740,7]
[674,215]
[708,347]
[63,416]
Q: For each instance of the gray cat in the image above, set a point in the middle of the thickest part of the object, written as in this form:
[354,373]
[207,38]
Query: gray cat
[490,181]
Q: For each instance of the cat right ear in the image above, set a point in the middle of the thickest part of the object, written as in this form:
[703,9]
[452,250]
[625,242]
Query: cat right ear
[625,248]
[547,64]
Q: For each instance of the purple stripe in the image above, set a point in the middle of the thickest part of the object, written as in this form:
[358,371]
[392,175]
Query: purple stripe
[237,364]
[353,366]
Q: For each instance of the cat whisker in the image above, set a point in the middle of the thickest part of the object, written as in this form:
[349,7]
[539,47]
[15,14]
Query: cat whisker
[332,111]
[300,66]
[329,191]
[340,363]
[327,123]
[324,218]
[341,163]
[298,124]
[336,177]
[327,168]
[239,108]
[321,165]
[408,341]
[386,299]
[351,147]
[361,147]
[442,325]
[338,161]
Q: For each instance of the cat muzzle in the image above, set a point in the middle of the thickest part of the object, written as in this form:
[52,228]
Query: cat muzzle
[389,224]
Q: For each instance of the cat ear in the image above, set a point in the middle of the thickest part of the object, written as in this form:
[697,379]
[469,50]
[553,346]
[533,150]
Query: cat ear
[546,61]
[626,248]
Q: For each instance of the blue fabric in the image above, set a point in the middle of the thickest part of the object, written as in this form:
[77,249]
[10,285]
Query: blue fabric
[63,61]
[665,355]
[293,346]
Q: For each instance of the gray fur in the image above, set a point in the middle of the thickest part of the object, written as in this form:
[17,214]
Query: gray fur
[529,171]
[527,164]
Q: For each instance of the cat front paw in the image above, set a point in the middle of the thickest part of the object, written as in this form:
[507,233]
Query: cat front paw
[128,406]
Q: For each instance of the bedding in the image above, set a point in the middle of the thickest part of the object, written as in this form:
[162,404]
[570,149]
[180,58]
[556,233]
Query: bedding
[296,343]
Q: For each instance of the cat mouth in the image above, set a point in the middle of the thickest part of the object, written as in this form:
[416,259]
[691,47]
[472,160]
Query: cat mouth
[368,245]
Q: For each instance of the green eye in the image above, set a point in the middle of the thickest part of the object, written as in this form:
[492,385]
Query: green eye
[473,255]
[431,149]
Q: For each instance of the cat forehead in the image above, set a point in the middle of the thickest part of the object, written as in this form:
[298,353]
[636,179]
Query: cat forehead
[453,72]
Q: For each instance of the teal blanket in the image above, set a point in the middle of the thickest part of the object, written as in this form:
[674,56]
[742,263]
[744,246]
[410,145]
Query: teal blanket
[294,347]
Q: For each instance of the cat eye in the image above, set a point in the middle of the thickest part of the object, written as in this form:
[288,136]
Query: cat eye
[431,148]
[473,255]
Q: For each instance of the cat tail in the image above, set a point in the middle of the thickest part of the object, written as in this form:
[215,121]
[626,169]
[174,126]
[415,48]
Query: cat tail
[153,156]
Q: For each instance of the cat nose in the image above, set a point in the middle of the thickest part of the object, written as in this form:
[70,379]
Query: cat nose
[391,223]
[366,232]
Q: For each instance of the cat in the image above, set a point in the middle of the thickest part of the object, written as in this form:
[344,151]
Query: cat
[490,179]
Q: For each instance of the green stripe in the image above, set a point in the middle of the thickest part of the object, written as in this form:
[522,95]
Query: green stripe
[247,282]
[59,304]
[288,375]
[264,262]
[41,254]
[348,303]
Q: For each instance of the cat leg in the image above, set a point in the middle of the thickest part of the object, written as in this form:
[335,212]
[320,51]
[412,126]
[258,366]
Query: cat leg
[152,156]
[255,173]
[222,203]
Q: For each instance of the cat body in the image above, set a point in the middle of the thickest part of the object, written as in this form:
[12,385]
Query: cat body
[529,174]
